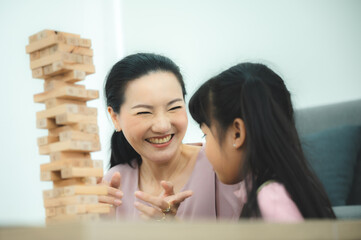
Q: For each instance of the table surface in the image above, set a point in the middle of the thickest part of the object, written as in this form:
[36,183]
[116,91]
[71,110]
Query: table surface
[325,229]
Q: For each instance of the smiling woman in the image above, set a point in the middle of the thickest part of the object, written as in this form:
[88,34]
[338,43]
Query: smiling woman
[153,175]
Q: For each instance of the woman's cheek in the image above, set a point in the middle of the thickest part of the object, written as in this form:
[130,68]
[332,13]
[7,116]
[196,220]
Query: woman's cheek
[181,119]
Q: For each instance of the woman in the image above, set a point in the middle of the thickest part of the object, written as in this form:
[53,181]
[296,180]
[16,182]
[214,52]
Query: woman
[160,177]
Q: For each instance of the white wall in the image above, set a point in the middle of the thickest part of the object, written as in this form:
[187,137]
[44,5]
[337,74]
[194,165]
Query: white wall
[315,45]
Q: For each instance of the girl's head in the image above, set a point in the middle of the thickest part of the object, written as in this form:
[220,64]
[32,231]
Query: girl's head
[145,98]
[247,116]
[235,110]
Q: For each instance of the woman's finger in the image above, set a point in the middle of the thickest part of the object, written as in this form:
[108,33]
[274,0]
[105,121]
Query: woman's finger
[180,197]
[168,188]
[99,180]
[155,201]
[109,200]
[148,211]
[115,192]
[116,180]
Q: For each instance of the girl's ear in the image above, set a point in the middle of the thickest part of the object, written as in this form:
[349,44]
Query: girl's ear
[114,116]
[238,133]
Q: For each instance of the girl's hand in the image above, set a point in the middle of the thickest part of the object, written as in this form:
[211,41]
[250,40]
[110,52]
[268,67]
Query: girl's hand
[163,207]
[114,193]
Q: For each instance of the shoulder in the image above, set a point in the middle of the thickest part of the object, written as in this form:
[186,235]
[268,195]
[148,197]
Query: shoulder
[191,150]
[275,203]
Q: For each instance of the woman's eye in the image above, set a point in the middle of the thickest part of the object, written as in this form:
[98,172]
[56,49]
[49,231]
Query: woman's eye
[140,113]
[174,108]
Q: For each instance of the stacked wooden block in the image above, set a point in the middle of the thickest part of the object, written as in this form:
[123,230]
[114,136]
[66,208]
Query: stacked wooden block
[62,60]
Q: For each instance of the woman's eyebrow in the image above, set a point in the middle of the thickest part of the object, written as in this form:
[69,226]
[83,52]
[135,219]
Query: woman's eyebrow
[175,100]
[142,106]
[151,107]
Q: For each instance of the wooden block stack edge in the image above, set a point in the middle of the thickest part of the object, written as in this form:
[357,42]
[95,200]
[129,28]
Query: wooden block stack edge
[62,60]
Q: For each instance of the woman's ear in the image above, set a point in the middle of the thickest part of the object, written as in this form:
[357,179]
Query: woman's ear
[115,119]
[238,133]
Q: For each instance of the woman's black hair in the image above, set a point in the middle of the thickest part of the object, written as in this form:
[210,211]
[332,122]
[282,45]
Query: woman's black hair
[273,151]
[126,70]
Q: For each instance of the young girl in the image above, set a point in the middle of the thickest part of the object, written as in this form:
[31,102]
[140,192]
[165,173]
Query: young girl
[246,115]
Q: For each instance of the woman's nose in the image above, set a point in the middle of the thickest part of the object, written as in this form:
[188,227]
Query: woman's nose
[161,124]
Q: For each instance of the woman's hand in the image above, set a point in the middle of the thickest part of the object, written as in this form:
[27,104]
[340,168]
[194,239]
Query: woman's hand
[163,207]
[114,195]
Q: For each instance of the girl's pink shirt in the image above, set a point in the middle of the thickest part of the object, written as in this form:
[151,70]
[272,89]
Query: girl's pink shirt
[275,203]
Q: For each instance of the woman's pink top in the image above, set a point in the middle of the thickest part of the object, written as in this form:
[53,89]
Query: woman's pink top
[210,200]
[274,202]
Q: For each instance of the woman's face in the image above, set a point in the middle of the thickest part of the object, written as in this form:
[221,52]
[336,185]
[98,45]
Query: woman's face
[225,159]
[153,116]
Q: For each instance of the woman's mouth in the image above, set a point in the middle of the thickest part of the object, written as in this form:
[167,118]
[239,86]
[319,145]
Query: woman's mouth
[162,141]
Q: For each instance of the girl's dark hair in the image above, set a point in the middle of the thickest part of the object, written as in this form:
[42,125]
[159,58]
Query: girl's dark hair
[126,70]
[273,151]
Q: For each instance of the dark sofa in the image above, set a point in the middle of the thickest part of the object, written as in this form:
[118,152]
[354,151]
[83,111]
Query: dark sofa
[331,140]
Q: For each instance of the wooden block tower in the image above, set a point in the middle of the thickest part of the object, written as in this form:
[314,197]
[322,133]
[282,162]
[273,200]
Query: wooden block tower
[62,60]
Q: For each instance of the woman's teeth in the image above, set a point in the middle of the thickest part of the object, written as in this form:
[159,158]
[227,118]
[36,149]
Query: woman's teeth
[160,140]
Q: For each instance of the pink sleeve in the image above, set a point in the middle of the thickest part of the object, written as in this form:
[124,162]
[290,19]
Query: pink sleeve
[276,205]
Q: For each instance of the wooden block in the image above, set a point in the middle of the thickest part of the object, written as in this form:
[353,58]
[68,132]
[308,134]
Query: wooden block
[50,176]
[72,41]
[46,140]
[70,146]
[43,53]
[47,33]
[44,42]
[71,118]
[75,181]
[67,92]
[58,165]
[60,172]
[60,219]
[60,67]
[97,163]
[62,48]
[55,68]
[34,55]
[55,102]
[78,209]
[86,127]
[53,84]
[51,113]
[73,172]
[40,35]
[70,76]
[47,40]
[82,127]
[46,58]
[75,190]
[83,42]
[67,108]
[73,49]
[77,135]
[37,72]
[61,156]
[46,123]
[87,60]
[78,199]
[88,69]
